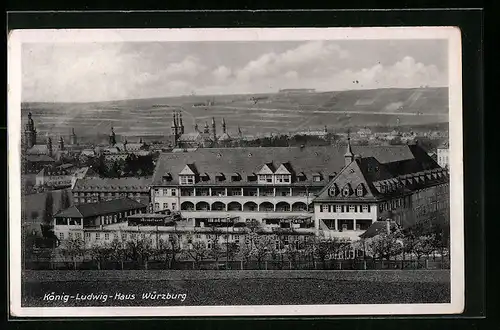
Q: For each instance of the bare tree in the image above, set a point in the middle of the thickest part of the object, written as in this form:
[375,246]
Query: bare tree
[100,252]
[140,249]
[198,252]
[118,251]
[263,244]
[74,249]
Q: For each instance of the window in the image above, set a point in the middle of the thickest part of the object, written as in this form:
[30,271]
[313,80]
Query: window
[157,206]
[324,208]
[165,205]
[333,191]
[173,192]
[78,235]
[124,236]
[174,206]
[316,178]
[365,208]
[97,236]
[106,236]
[165,192]
[187,179]
[352,208]
[70,235]
[338,208]
[282,178]
[61,235]
[359,191]
[87,235]
[265,178]
[346,191]
[157,191]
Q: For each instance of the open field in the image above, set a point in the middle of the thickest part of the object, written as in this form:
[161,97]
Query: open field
[239,287]
[274,113]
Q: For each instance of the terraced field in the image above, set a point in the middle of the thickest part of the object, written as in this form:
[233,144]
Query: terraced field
[271,113]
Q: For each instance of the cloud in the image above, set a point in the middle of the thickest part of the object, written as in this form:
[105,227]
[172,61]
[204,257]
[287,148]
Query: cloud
[222,73]
[188,67]
[303,58]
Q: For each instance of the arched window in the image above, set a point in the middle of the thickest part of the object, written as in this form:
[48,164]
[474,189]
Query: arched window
[333,191]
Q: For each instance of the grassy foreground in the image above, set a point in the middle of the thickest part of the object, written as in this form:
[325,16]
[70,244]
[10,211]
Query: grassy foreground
[205,288]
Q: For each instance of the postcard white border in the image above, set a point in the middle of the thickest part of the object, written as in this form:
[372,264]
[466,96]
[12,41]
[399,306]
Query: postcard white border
[452,34]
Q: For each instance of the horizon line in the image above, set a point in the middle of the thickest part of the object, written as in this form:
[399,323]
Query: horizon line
[229,94]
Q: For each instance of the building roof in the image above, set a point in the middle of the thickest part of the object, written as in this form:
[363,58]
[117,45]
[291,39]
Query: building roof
[249,161]
[377,228]
[381,180]
[100,208]
[39,158]
[195,137]
[113,184]
[224,137]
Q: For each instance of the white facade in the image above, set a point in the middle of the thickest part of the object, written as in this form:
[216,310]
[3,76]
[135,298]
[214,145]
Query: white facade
[442,157]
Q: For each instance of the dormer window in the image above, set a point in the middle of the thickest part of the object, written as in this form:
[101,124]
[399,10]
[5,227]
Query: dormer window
[333,190]
[235,177]
[360,191]
[220,177]
[186,179]
[346,191]
[317,177]
[282,178]
[205,177]
[301,176]
[265,178]
[252,178]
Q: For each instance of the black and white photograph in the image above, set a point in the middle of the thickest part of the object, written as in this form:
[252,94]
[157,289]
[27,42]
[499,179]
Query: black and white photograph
[226,172]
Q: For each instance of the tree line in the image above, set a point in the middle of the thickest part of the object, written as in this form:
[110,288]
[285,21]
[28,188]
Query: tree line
[282,249]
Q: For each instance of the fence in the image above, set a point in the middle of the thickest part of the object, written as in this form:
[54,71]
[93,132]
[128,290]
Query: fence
[354,264]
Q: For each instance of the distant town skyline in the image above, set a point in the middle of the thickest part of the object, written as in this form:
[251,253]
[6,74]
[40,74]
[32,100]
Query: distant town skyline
[93,72]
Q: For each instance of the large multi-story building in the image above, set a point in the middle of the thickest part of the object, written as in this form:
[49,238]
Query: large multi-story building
[93,190]
[216,195]
[276,185]
[366,190]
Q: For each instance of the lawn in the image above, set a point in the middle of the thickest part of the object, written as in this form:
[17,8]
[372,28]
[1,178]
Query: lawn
[205,288]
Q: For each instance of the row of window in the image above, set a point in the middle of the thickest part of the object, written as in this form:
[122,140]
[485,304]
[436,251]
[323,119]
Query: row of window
[166,192]
[104,194]
[344,208]
[261,178]
[346,191]
[165,206]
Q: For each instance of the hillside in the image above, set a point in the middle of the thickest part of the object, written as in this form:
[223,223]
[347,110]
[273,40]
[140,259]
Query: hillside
[255,114]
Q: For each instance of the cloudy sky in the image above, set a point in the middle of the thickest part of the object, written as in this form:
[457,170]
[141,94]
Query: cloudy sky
[86,72]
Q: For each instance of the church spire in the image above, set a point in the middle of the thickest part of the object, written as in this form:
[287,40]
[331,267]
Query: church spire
[223,125]
[181,125]
[349,156]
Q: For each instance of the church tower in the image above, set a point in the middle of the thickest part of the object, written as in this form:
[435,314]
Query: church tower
[181,125]
[175,131]
[61,143]
[72,138]
[223,126]
[30,132]
[214,132]
[49,146]
[348,156]
[112,137]
[206,129]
